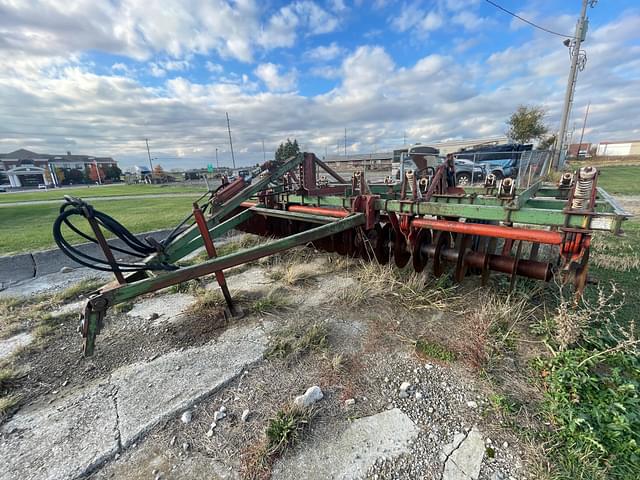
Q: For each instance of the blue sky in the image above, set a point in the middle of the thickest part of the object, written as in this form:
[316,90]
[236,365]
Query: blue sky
[100,77]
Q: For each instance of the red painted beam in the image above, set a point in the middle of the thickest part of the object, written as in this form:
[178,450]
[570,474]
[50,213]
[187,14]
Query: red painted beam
[327,212]
[497,231]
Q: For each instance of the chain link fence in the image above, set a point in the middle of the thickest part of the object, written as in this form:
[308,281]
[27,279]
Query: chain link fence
[526,167]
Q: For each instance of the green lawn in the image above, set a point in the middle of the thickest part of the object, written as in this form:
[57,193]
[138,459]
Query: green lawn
[620,180]
[28,228]
[98,191]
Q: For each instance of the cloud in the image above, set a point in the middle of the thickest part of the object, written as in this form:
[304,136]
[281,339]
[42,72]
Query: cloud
[269,73]
[213,67]
[324,53]
[413,16]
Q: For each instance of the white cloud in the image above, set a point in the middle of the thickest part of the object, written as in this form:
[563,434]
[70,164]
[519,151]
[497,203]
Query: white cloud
[156,70]
[269,73]
[324,53]
[413,17]
[214,67]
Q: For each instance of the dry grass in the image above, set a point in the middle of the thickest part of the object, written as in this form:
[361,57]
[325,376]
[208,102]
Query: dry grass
[209,306]
[619,263]
[293,342]
[275,300]
[77,291]
[409,290]
[492,328]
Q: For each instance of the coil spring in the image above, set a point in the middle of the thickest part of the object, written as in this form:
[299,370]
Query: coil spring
[583,188]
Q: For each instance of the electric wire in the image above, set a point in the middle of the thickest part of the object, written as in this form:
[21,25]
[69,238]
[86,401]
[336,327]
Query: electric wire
[528,21]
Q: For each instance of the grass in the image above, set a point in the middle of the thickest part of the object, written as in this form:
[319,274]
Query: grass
[591,381]
[7,399]
[620,180]
[97,191]
[77,290]
[30,227]
[434,351]
[283,431]
[297,341]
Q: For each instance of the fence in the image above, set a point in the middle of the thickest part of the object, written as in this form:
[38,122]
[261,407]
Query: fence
[525,167]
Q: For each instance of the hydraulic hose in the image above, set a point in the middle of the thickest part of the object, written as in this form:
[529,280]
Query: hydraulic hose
[134,247]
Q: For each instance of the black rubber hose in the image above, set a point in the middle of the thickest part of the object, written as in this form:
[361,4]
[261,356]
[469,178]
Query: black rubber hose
[136,247]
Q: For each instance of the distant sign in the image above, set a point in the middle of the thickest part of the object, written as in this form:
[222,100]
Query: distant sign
[210,168]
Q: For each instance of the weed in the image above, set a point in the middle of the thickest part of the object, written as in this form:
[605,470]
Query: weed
[7,403]
[78,290]
[271,302]
[7,378]
[191,286]
[208,306]
[286,427]
[434,351]
[123,307]
[295,342]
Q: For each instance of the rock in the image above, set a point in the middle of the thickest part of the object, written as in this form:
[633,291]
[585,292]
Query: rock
[403,394]
[405,386]
[210,433]
[154,471]
[66,270]
[498,475]
[350,401]
[222,409]
[153,316]
[245,415]
[472,404]
[311,396]
[418,395]
[219,415]
[173,441]
[187,417]
[465,460]
[185,446]
[505,445]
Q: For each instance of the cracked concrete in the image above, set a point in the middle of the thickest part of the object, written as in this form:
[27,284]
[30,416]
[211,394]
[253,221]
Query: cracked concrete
[75,434]
[463,457]
[354,450]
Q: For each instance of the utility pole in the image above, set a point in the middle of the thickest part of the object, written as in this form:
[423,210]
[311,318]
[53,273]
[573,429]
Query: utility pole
[584,124]
[217,162]
[233,158]
[345,143]
[576,64]
[149,154]
[264,153]
[404,138]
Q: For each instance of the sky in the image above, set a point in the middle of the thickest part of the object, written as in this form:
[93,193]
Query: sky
[100,77]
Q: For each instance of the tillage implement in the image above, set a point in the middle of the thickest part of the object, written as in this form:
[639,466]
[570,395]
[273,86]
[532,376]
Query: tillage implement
[536,232]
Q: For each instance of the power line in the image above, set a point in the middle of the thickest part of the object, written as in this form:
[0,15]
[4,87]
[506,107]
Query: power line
[528,21]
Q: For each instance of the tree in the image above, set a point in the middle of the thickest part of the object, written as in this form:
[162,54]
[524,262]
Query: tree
[526,124]
[60,175]
[287,150]
[112,172]
[73,176]
[547,143]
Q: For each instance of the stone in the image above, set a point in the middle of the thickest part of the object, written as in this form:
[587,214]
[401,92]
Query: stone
[173,441]
[219,415]
[472,404]
[405,386]
[336,456]
[418,395]
[311,396]
[403,394]
[350,401]
[185,446]
[222,409]
[186,417]
[210,433]
[66,270]
[245,415]
[465,460]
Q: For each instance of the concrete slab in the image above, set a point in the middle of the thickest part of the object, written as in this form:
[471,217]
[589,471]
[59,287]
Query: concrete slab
[253,280]
[49,284]
[62,440]
[73,435]
[69,309]
[9,345]
[326,290]
[353,452]
[167,307]
[16,268]
[149,392]
[464,462]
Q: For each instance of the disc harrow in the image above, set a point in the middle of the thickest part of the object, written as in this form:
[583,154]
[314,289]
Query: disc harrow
[422,223]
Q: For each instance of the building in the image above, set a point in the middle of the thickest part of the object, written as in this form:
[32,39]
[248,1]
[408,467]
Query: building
[579,150]
[24,168]
[621,149]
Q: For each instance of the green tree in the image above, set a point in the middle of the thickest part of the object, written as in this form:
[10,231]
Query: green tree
[526,124]
[547,143]
[287,150]
[112,172]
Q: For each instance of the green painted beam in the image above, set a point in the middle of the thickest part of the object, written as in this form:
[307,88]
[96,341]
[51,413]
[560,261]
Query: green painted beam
[126,292]
[175,253]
